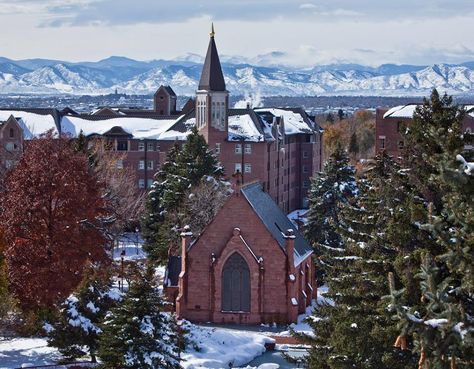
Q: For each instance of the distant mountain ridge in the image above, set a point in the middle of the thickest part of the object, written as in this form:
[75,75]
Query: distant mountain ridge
[45,76]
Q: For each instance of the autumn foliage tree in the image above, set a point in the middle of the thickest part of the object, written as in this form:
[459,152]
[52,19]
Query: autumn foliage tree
[48,209]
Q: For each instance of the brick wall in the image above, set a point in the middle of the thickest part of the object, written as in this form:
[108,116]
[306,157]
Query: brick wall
[269,279]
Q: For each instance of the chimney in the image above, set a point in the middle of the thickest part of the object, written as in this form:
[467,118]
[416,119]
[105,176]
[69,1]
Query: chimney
[186,237]
[290,248]
[248,105]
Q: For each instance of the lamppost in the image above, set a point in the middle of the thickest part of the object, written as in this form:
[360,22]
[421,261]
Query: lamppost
[122,257]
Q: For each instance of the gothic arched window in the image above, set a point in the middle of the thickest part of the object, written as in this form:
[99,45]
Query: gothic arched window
[236,284]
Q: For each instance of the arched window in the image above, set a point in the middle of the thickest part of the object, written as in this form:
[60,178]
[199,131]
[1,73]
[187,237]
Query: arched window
[236,284]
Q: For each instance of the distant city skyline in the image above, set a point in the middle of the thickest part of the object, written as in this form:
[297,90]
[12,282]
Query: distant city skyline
[305,33]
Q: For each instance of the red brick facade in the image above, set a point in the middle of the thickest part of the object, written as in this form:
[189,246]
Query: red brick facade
[279,290]
[387,130]
[11,143]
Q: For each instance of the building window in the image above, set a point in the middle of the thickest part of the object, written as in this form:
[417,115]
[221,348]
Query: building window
[141,183]
[141,146]
[157,147]
[150,164]
[305,184]
[119,164]
[238,148]
[141,164]
[150,146]
[236,284]
[305,155]
[9,164]
[248,148]
[401,144]
[12,133]
[276,182]
[10,146]
[248,168]
[149,183]
[305,169]
[218,148]
[122,145]
[238,168]
[382,142]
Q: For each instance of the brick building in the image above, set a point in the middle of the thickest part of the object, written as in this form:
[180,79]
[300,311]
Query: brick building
[390,122]
[249,266]
[280,147]
[11,143]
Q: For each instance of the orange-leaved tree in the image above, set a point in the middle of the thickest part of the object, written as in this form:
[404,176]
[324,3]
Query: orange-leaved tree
[48,210]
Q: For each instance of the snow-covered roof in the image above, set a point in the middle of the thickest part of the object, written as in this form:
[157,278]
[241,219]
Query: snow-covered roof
[294,121]
[406,111]
[401,111]
[244,124]
[32,124]
[137,127]
[243,127]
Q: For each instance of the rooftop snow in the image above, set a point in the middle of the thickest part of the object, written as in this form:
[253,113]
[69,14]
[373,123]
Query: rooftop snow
[32,124]
[401,111]
[294,122]
[138,127]
[243,127]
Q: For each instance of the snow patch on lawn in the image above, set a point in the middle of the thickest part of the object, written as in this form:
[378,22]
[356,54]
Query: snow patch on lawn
[25,352]
[214,347]
[302,325]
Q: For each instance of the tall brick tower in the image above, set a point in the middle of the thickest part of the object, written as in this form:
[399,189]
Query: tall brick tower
[212,98]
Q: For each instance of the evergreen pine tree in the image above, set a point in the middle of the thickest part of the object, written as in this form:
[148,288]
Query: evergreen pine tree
[441,267]
[441,323]
[357,331]
[137,334]
[184,169]
[76,331]
[329,190]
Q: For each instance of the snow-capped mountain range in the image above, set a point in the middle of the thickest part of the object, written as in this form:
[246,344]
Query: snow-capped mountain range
[42,76]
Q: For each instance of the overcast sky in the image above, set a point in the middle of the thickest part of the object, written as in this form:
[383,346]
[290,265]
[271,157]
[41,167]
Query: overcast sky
[308,32]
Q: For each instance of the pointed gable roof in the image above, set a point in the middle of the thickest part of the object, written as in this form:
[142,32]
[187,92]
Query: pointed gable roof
[212,78]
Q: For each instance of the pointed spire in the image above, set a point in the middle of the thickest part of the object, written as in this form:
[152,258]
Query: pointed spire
[212,78]
[212,30]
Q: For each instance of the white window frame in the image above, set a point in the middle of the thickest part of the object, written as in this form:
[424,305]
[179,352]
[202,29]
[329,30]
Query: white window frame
[119,164]
[150,146]
[141,183]
[238,148]
[141,165]
[238,167]
[218,148]
[149,164]
[248,168]
[248,148]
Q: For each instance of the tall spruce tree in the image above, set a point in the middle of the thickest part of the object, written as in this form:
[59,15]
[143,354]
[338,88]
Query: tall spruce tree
[184,169]
[356,331]
[329,190]
[439,320]
[138,334]
[76,331]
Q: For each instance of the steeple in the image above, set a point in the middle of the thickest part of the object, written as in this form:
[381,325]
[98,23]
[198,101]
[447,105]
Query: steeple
[212,78]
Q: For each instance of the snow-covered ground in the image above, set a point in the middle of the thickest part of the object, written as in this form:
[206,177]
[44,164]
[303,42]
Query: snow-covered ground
[302,325]
[217,347]
[130,244]
[24,352]
[211,347]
